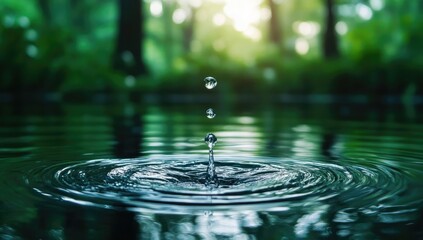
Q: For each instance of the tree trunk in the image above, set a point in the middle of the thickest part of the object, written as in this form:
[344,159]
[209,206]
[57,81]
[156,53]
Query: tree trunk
[275,33]
[130,34]
[330,40]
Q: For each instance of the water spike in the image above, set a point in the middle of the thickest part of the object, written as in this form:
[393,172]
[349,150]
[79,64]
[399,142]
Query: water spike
[211,178]
[210,140]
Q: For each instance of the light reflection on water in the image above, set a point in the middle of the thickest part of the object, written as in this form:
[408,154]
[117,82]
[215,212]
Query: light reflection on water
[356,173]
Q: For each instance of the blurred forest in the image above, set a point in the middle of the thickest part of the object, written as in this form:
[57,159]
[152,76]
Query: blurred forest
[364,47]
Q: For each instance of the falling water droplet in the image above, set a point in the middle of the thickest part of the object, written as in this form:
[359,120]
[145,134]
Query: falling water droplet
[210,82]
[210,140]
[210,113]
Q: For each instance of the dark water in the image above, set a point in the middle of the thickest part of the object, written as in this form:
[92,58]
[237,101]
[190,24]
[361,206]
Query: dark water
[138,171]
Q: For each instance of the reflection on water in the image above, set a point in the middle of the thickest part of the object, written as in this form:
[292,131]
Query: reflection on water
[127,131]
[287,171]
[327,146]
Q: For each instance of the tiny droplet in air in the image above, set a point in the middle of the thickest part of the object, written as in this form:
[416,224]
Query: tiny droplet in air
[210,82]
[210,113]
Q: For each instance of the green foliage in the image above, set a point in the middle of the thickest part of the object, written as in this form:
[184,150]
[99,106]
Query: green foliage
[28,61]
[71,50]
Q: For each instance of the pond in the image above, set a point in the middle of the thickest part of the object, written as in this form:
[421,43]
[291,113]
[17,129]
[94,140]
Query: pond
[137,170]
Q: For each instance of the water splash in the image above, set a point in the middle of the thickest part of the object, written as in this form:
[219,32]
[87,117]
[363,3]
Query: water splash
[210,139]
[210,82]
[211,178]
[210,113]
[152,181]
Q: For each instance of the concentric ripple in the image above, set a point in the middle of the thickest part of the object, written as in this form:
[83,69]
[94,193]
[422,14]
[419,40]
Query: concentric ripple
[179,180]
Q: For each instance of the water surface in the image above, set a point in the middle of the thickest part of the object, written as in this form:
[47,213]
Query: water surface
[285,171]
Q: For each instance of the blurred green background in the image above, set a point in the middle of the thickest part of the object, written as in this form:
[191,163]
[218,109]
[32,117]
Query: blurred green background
[335,47]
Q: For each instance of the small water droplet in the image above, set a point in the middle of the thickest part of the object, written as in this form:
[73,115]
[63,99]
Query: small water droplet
[210,113]
[210,82]
[210,140]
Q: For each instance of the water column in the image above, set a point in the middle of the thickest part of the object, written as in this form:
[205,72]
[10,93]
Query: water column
[210,140]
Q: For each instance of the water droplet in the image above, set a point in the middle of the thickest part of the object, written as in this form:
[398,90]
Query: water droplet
[210,113]
[210,140]
[211,82]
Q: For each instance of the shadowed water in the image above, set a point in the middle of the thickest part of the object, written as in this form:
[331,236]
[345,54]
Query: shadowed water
[284,171]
